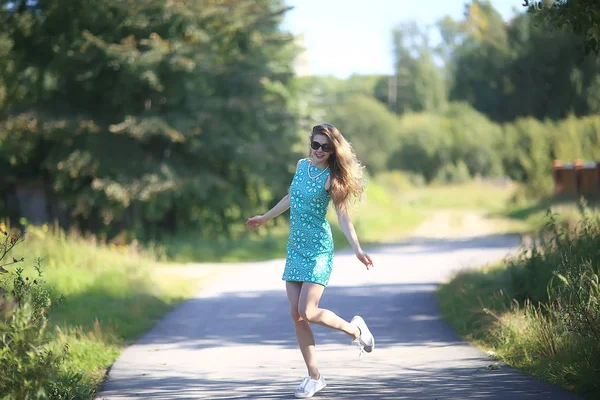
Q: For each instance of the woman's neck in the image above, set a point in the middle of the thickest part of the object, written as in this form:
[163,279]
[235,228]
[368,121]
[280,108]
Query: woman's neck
[318,164]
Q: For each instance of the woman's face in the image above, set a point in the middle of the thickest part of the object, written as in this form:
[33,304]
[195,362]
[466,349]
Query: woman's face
[321,148]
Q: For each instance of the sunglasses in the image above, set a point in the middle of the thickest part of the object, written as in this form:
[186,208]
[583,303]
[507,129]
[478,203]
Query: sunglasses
[327,147]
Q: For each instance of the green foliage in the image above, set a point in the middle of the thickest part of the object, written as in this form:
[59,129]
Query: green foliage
[462,142]
[579,16]
[479,53]
[457,143]
[192,247]
[534,80]
[528,146]
[369,126]
[539,310]
[577,138]
[424,148]
[419,84]
[563,269]
[32,365]
[475,140]
[355,107]
[518,68]
[114,293]
[453,173]
[148,116]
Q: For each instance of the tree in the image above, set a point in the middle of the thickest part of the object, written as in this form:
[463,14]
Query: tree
[579,16]
[369,126]
[481,60]
[150,114]
[419,83]
[521,68]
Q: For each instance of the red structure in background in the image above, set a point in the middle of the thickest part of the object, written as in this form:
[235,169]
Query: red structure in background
[576,179]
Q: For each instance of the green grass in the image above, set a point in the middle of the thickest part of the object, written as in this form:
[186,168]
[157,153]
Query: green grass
[539,311]
[532,214]
[113,295]
[391,210]
[470,195]
[268,243]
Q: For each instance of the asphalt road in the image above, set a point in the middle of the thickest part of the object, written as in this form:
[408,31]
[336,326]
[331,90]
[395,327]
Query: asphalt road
[235,340]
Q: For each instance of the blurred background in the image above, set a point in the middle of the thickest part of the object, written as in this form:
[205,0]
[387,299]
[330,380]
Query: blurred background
[171,122]
[136,135]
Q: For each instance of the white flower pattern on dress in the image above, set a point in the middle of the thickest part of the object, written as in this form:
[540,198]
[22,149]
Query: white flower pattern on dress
[310,242]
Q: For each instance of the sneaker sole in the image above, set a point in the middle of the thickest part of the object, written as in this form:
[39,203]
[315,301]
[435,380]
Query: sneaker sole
[367,348]
[307,396]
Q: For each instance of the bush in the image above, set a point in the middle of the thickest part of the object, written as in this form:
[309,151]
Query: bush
[475,140]
[449,147]
[369,126]
[454,173]
[31,363]
[540,310]
[424,145]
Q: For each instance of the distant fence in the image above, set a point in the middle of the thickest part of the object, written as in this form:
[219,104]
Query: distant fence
[576,179]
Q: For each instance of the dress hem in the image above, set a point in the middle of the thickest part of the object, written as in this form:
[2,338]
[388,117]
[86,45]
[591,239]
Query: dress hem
[305,281]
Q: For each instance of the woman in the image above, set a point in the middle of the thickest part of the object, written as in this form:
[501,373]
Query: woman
[332,172]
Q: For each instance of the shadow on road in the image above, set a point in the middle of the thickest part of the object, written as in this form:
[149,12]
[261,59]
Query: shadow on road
[263,318]
[426,358]
[452,383]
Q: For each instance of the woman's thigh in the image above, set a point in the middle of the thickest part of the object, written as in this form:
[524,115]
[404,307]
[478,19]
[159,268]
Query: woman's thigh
[293,290]
[310,296]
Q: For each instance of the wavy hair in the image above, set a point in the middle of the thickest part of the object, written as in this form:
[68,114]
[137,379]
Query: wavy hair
[347,177]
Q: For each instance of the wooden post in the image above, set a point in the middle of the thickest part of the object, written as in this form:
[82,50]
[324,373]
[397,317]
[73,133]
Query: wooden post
[578,165]
[598,178]
[557,166]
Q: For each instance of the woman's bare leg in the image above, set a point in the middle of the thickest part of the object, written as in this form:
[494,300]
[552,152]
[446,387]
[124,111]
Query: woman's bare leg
[304,334]
[308,308]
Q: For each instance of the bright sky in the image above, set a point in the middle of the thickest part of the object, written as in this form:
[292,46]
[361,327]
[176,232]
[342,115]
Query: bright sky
[343,37]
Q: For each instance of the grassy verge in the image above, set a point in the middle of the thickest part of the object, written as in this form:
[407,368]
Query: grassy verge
[112,296]
[532,214]
[539,311]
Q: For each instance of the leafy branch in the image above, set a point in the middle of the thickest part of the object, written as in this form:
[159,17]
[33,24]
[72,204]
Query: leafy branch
[580,16]
[7,245]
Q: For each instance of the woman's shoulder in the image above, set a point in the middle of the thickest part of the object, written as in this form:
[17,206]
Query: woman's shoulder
[300,161]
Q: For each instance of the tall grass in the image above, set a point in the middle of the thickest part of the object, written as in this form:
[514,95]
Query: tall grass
[112,296]
[540,310]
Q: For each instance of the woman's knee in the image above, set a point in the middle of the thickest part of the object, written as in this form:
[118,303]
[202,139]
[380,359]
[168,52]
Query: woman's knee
[307,313]
[296,317]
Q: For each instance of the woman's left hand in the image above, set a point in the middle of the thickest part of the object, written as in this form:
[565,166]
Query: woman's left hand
[364,258]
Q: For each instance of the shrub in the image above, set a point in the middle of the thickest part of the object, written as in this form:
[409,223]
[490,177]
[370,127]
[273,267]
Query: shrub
[557,282]
[453,173]
[30,361]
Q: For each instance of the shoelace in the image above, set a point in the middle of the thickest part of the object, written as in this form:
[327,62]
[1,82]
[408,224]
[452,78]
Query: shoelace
[361,347]
[302,385]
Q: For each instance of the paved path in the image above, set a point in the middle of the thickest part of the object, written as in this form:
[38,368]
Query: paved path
[236,340]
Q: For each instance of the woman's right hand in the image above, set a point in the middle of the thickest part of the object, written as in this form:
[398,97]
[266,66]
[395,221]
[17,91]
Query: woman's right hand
[256,221]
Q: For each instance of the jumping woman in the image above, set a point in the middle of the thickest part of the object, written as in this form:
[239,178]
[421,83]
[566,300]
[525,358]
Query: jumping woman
[332,172]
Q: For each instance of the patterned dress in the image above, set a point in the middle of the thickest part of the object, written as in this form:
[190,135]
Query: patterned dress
[310,243]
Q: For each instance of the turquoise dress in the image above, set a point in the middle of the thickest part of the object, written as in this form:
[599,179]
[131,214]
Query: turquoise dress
[310,242]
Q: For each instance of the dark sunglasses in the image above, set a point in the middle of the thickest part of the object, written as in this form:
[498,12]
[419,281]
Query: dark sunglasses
[327,147]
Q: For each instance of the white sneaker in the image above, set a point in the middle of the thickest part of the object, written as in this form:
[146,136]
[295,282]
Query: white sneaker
[309,387]
[366,340]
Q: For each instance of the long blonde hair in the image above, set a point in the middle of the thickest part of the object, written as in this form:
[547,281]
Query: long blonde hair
[347,178]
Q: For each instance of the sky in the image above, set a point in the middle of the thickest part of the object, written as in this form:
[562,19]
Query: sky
[345,37]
